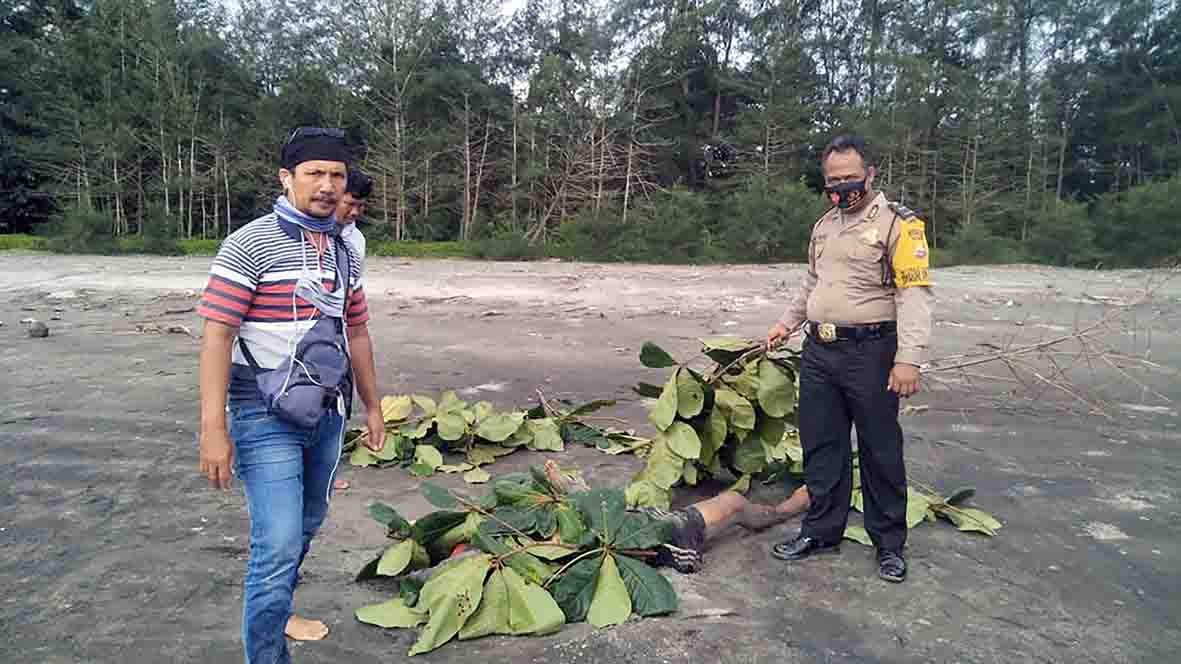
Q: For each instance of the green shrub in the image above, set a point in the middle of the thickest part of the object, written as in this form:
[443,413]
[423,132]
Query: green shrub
[1063,235]
[976,245]
[765,221]
[505,245]
[199,247]
[83,231]
[448,249]
[1140,227]
[23,242]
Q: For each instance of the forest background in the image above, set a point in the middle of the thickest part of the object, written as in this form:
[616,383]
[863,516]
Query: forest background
[611,130]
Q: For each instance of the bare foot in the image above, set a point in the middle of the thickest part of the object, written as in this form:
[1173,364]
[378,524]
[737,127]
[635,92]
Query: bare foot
[341,485]
[797,503]
[302,629]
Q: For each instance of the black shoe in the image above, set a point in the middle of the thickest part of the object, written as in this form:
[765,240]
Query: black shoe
[891,565]
[802,547]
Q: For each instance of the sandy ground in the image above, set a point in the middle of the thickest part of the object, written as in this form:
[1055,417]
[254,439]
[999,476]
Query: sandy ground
[112,549]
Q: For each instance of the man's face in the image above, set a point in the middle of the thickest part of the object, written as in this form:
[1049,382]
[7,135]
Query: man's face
[315,187]
[349,209]
[846,166]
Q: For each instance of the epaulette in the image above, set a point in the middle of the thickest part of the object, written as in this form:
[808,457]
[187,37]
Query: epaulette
[902,211]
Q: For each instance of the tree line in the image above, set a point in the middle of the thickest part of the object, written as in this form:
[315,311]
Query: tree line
[613,129]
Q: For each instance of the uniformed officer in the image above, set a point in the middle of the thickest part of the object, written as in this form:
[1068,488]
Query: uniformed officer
[865,308]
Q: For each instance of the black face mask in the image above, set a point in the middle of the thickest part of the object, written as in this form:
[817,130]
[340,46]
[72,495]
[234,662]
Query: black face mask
[846,194]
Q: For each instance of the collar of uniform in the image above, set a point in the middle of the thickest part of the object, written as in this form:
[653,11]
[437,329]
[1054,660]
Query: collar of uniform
[871,212]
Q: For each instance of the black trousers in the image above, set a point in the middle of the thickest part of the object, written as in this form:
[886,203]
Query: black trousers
[844,383]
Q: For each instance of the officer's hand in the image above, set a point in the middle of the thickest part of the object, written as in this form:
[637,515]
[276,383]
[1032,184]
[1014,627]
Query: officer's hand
[376,425]
[777,335]
[216,452]
[904,380]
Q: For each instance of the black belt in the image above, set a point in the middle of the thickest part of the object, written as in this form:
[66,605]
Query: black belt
[829,332]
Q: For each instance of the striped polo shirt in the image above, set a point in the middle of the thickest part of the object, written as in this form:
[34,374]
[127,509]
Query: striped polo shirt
[252,288]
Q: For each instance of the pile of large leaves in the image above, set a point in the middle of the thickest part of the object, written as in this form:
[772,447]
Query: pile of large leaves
[420,431]
[733,418]
[740,417]
[525,559]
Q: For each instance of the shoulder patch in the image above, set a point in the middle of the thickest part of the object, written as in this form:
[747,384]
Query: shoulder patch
[902,211]
[911,260]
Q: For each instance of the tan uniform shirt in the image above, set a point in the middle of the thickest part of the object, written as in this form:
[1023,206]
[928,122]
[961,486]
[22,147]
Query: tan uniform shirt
[843,284]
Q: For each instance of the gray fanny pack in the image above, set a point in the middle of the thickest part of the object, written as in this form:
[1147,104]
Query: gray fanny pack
[317,375]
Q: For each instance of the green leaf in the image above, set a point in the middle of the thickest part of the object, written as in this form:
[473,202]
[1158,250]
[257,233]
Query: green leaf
[546,435]
[725,350]
[612,603]
[434,525]
[750,456]
[590,407]
[665,410]
[428,455]
[499,427]
[644,493]
[478,456]
[469,416]
[450,403]
[575,589]
[511,606]
[408,590]
[476,476]
[438,496]
[712,435]
[396,409]
[969,519]
[452,426]
[451,597]
[917,505]
[603,511]
[389,517]
[456,468]
[648,390]
[651,594]
[482,410]
[690,473]
[403,556]
[390,450]
[664,466]
[690,395]
[857,534]
[391,613]
[426,403]
[770,430]
[577,432]
[361,456]
[655,357]
[547,551]
[640,531]
[420,430]
[421,470]
[682,440]
[857,501]
[738,410]
[959,496]
[571,528]
[745,383]
[776,391]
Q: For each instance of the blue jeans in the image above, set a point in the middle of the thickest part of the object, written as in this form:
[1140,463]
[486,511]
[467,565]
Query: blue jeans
[287,472]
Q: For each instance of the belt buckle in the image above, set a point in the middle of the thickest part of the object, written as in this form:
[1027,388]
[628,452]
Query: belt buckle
[827,332]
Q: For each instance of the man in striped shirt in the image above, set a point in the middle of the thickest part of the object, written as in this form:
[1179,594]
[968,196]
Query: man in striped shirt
[271,282]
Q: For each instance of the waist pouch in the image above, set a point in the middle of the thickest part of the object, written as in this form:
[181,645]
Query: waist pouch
[307,385]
